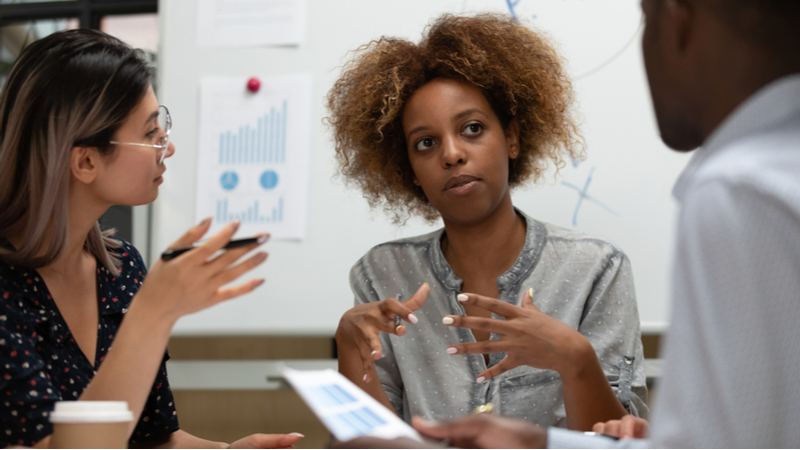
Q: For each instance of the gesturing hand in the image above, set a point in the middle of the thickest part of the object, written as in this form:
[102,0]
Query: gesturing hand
[360,327]
[527,336]
[194,280]
[484,431]
[627,427]
[268,441]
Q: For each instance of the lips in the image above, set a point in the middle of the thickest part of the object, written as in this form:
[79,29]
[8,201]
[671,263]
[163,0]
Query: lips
[459,181]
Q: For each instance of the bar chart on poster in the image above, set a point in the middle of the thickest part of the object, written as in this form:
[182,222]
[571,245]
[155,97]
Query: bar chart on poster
[253,154]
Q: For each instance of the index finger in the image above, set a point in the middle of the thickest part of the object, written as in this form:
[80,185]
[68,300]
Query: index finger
[216,242]
[492,304]
[418,299]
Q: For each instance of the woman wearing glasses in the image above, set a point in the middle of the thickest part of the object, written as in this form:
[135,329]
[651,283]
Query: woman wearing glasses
[81,130]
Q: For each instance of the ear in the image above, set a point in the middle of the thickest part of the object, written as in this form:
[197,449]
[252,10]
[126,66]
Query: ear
[680,18]
[512,138]
[83,163]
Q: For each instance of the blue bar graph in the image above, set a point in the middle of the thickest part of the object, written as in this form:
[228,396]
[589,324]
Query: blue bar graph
[250,214]
[264,144]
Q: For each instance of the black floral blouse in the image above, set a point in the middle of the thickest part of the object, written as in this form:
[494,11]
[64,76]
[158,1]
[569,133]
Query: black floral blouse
[40,362]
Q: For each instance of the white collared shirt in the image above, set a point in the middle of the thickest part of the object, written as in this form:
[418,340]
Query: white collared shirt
[732,358]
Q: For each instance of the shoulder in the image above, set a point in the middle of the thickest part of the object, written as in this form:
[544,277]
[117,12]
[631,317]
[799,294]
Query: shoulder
[408,249]
[572,244]
[407,254]
[119,290]
[767,162]
[129,257]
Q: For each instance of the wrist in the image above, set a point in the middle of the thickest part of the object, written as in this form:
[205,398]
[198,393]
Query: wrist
[140,312]
[579,357]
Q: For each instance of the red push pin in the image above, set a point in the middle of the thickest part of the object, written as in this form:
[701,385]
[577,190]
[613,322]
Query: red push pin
[253,85]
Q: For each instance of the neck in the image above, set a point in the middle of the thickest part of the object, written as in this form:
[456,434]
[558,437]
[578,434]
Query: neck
[734,70]
[486,248]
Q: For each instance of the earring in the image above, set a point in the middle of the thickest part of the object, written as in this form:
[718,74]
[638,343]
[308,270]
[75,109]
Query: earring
[416,182]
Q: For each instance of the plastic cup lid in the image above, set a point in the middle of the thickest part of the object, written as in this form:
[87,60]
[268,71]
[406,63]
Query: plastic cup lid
[89,412]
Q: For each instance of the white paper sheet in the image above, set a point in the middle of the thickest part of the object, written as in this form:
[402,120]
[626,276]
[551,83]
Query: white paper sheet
[253,155]
[238,23]
[346,410]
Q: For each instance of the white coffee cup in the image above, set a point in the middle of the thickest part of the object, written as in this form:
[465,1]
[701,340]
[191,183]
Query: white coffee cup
[88,424]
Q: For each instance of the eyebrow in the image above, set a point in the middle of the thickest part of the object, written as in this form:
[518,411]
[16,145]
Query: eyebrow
[151,117]
[456,117]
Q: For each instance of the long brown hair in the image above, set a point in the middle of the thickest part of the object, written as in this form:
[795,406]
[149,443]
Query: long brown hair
[72,88]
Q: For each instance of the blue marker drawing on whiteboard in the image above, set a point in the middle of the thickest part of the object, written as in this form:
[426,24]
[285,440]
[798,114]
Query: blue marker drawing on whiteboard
[583,195]
[511,5]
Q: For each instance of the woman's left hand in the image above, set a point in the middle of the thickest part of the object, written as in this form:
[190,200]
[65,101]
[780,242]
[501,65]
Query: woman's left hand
[268,441]
[527,336]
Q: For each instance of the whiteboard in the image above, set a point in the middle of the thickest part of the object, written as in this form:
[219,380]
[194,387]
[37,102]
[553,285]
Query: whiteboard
[307,289]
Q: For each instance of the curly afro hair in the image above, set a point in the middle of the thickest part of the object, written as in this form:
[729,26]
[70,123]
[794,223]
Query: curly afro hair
[517,70]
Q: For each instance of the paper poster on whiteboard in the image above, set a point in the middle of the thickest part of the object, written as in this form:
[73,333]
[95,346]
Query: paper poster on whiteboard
[238,23]
[253,154]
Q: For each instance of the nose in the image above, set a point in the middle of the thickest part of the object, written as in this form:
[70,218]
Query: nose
[452,152]
[170,150]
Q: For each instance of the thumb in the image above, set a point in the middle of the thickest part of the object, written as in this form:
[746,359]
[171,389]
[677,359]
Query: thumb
[419,298]
[527,300]
[194,234]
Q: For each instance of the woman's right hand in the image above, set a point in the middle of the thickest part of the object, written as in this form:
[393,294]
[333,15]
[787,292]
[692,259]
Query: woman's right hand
[627,427]
[194,280]
[360,327]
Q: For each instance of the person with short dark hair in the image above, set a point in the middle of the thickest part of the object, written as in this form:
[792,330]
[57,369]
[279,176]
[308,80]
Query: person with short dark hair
[724,76]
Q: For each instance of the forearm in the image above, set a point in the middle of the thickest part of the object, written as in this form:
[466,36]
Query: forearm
[131,364]
[588,397]
[351,366]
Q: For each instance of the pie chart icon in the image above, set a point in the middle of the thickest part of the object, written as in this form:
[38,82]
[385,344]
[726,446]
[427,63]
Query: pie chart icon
[269,179]
[229,180]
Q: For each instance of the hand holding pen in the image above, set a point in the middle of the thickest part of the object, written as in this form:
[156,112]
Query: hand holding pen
[198,279]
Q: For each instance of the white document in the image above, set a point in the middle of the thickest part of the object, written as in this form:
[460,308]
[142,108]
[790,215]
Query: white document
[253,155]
[239,23]
[347,411]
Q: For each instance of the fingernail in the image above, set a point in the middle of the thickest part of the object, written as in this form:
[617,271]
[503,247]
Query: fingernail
[452,350]
[262,239]
[235,224]
[260,258]
[374,352]
[448,320]
[426,283]
[259,283]
[397,328]
[365,377]
[462,297]
[530,292]
[206,222]
[297,435]
[481,379]
[412,318]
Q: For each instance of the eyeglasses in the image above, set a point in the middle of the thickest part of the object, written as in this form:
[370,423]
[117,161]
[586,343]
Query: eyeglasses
[165,125]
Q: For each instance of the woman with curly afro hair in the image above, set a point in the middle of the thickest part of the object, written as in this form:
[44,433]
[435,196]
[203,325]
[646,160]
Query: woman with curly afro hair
[445,128]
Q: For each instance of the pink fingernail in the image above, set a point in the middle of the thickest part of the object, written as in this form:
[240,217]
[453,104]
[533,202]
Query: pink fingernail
[481,379]
[365,377]
[206,222]
[452,350]
[412,318]
[297,435]
[235,224]
[258,283]
[260,258]
[462,297]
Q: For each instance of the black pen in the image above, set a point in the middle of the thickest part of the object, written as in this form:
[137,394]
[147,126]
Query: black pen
[178,251]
